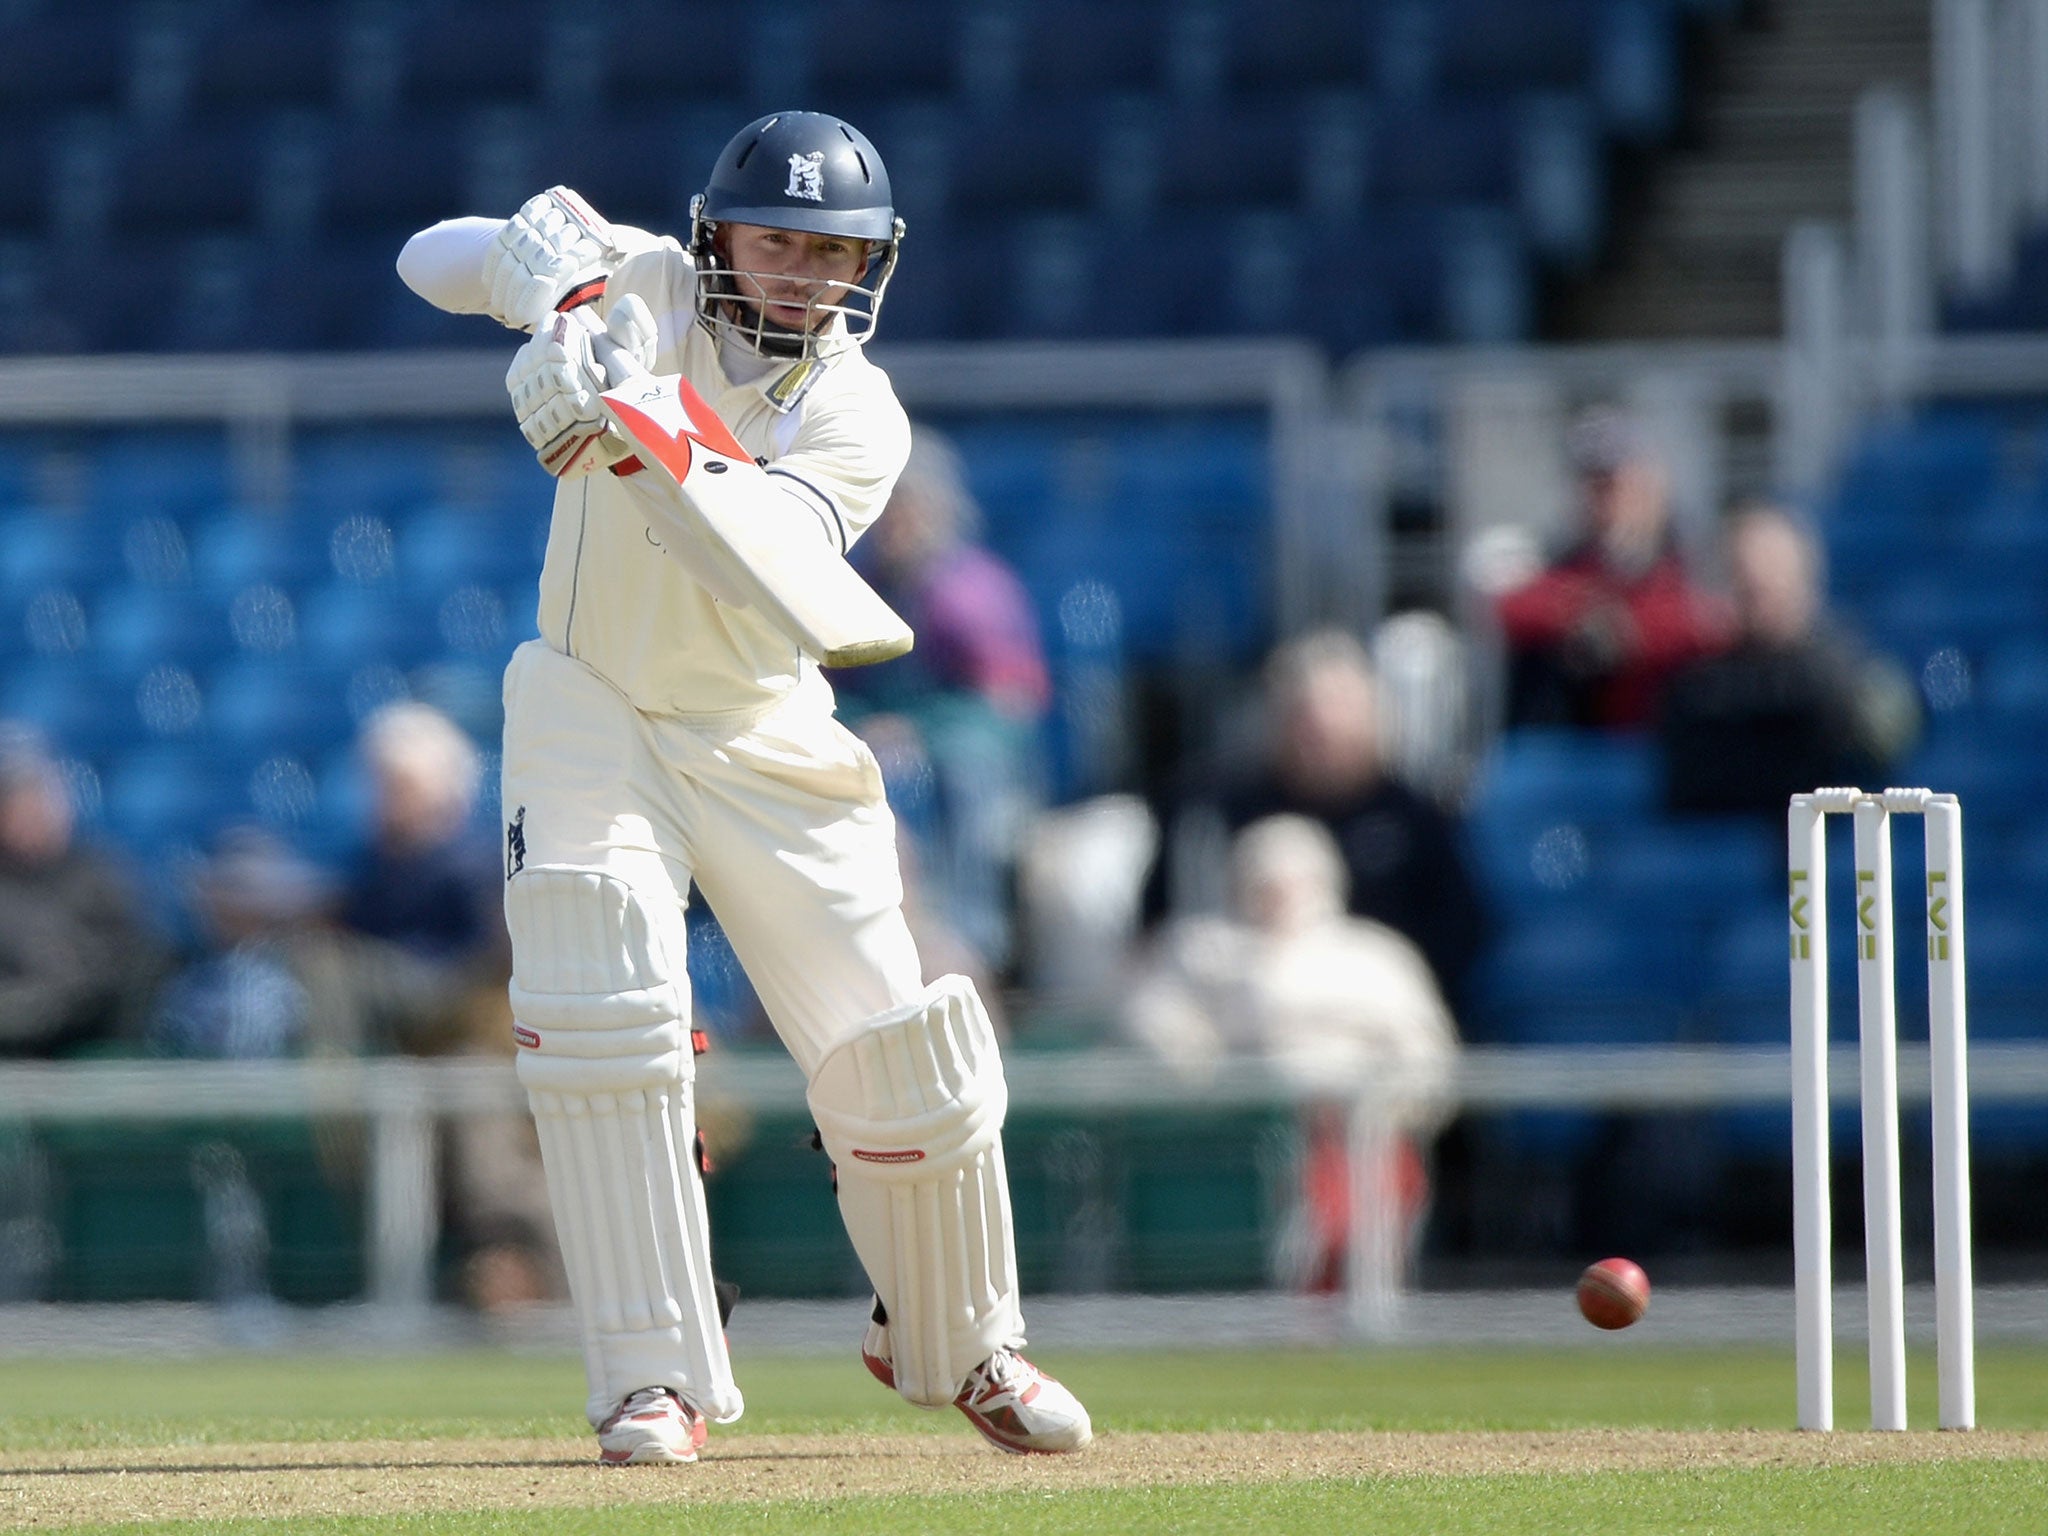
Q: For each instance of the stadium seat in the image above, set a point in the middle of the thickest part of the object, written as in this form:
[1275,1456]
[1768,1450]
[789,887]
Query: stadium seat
[238,547]
[260,704]
[442,546]
[136,627]
[1566,775]
[47,548]
[175,794]
[344,625]
[85,712]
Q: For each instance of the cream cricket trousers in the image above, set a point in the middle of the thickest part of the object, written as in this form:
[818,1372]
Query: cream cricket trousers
[610,813]
[780,819]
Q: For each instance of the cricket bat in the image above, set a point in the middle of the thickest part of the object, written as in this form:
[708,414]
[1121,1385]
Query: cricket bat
[761,547]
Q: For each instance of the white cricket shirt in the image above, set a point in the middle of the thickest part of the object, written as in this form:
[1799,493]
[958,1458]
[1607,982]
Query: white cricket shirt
[829,432]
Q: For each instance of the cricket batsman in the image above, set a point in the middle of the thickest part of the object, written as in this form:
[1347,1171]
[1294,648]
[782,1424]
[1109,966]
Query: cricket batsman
[664,728]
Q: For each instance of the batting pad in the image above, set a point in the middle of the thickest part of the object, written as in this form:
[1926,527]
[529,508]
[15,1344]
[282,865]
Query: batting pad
[599,998]
[911,1110]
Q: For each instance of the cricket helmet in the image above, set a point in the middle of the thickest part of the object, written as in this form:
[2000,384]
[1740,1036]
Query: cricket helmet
[805,171]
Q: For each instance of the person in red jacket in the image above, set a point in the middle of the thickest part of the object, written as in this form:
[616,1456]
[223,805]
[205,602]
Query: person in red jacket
[1592,639]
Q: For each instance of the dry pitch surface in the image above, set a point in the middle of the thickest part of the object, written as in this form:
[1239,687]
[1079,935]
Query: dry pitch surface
[216,1482]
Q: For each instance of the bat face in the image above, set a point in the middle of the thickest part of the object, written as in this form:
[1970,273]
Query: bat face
[758,544]
[665,415]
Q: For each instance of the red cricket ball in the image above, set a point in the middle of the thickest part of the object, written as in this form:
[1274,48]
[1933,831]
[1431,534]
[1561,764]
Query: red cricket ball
[1614,1293]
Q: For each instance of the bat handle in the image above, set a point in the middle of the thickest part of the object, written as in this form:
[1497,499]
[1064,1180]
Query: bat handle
[618,364]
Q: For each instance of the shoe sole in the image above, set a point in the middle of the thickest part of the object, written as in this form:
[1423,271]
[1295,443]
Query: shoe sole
[646,1455]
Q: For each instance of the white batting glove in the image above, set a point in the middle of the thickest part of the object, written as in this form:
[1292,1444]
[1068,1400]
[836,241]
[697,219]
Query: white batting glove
[553,246]
[554,382]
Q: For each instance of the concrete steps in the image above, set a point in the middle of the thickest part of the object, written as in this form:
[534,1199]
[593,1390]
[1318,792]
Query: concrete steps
[1773,148]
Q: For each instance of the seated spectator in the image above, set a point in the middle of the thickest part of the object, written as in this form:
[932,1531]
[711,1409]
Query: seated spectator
[77,961]
[956,722]
[1592,639]
[1795,704]
[426,880]
[429,883]
[1289,976]
[1319,754]
[277,977]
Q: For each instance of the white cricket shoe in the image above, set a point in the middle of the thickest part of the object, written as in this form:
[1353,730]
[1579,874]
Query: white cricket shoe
[652,1424]
[1015,1405]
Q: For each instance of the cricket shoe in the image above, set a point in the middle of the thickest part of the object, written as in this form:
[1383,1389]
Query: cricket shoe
[1015,1405]
[651,1425]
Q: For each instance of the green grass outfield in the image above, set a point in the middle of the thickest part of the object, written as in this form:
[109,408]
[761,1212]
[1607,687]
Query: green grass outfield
[218,1442]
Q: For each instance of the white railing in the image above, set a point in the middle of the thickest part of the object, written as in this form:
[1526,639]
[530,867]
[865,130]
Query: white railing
[402,1099]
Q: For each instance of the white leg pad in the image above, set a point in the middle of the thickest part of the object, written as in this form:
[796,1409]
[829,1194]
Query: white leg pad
[600,1001]
[911,1110]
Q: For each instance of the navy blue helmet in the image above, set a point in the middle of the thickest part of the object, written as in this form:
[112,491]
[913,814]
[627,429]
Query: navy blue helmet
[806,171]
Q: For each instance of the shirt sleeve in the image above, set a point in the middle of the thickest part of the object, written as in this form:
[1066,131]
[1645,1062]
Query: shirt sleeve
[844,460]
[444,263]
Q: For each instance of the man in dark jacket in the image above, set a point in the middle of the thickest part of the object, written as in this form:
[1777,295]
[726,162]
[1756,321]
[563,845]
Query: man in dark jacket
[1794,704]
[77,961]
[1322,757]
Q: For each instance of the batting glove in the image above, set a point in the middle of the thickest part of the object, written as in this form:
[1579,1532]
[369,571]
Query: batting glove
[553,247]
[554,383]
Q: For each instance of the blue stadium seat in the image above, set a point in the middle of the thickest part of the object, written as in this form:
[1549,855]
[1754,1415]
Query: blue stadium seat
[1994,780]
[1498,45]
[2007,969]
[717,39]
[261,704]
[267,56]
[477,51]
[1453,152]
[886,49]
[1078,45]
[1621,981]
[1566,775]
[440,547]
[1933,608]
[135,627]
[47,548]
[1694,870]
[170,795]
[1305,45]
[238,547]
[1911,481]
[344,625]
[173,473]
[85,712]
[62,57]
[174,182]
[357,471]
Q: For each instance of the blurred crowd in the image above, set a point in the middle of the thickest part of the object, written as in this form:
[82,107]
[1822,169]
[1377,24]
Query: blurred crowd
[1294,888]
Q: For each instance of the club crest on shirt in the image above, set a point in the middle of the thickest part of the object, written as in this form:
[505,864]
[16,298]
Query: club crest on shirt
[807,176]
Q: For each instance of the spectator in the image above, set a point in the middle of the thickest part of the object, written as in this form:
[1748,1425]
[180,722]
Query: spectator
[428,883]
[77,961]
[426,880]
[955,723]
[1795,704]
[1289,976]
[277,978]
[1592,639]
[1320,755]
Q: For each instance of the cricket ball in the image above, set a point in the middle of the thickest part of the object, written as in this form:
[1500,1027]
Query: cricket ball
[1614,1293]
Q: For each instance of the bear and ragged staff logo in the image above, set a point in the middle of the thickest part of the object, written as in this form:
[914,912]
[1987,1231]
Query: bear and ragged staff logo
[807,176]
